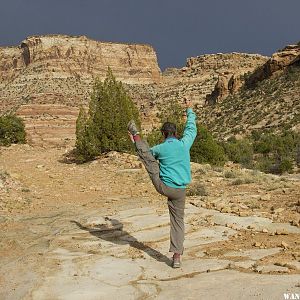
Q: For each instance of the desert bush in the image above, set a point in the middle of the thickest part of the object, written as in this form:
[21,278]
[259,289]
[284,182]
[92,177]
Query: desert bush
[230,174]
[238,181]
[12,130]
[243,180]
[3,175]
[239,151]
[278,151]
[104,127]
[206,149]
[197,189]
[217,169]
[201,171]
[298,154]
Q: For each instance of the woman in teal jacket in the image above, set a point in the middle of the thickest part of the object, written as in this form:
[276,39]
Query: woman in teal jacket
[168,165]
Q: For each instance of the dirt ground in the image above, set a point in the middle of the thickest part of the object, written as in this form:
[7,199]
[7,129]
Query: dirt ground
[250,221]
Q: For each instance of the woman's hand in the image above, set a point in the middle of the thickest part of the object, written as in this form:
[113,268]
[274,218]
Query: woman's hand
[187,103]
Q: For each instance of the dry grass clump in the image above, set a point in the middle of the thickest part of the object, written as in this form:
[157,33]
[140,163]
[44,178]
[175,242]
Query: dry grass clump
[197,189]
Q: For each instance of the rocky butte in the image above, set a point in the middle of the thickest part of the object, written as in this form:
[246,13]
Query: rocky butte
[266,98]
[46,78]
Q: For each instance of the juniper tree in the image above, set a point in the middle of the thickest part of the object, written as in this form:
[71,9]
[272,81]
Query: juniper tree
[104,127]
[12,130]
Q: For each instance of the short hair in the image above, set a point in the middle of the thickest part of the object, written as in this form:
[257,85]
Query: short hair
[168,129]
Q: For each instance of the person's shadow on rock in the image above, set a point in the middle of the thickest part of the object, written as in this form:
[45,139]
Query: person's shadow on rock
[115,234]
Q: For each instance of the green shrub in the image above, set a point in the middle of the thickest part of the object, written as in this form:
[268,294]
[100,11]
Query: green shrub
[206,149]
[283,144]
[104,127]
[230,174]
[154,137]
[239,151]
[278,151]
[12,130]
[238,181]
[270,165]
[282,166]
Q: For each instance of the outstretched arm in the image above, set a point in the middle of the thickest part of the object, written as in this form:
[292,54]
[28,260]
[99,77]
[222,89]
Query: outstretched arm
[190,130]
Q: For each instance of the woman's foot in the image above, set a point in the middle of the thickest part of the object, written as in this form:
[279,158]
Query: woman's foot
[176,261]
[132,128]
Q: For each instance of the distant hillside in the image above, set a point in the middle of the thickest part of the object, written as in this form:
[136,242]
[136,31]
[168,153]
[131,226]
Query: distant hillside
[268,99]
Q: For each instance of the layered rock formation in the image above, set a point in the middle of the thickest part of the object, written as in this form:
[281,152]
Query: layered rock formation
[47,78]
[197,79]
[269,99]
[200,75]
[227,84]
[279,61]
[64,56]
[49,73]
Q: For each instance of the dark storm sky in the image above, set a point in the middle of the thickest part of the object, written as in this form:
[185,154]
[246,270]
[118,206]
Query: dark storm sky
[176,28]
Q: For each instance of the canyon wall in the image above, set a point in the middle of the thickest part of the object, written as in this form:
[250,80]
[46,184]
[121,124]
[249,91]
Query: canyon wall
[47,74]
[47,78]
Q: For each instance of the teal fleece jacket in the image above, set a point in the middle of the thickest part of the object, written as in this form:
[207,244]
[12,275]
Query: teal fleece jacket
[174,155]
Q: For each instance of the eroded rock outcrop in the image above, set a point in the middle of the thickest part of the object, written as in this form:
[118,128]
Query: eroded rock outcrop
[227,84]
[278,62]
[202,73]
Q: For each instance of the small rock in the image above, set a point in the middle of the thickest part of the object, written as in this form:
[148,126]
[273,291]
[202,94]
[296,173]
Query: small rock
[280,264]
[293,265]
[243,214]
[265,230]
[272,268]
[294,223]
[281,232]
[265,197]
[257,244]
[226,209]
[284,245]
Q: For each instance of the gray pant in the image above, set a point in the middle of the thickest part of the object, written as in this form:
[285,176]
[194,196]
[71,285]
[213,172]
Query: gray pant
[176,197]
